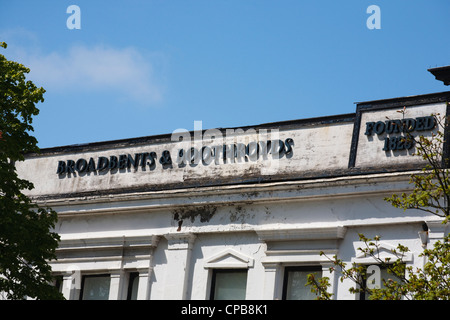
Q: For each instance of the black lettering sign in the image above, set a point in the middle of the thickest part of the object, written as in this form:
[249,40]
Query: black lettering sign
[61,167]
[227,153]
[113,162]
[81,165]
[70,166]
[91,165]
[102,164]
[400,126]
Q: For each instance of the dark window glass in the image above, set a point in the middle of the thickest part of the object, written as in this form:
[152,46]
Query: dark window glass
[133,286]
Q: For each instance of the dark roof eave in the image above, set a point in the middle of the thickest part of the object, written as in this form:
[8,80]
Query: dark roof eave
[441,74]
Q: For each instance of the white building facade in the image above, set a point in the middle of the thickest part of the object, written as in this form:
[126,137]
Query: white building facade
[239,213]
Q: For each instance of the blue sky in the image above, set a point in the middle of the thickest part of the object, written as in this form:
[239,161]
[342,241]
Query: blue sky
[139,68]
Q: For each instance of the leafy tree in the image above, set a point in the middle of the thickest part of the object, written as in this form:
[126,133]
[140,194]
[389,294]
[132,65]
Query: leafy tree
[430,193]
[26,240]
[430,283]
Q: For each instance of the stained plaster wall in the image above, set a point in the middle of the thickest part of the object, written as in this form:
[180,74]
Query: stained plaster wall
[175,225]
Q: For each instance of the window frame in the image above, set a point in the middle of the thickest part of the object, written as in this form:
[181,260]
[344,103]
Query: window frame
[287,269]
[83,278]
[362,294]
[215,271]
[58,282]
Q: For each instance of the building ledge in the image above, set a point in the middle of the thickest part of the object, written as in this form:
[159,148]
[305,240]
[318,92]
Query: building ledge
[441,74]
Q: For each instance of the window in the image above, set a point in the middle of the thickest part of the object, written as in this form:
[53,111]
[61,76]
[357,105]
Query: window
[294,286]
[374,279]
[58,283]
[228,284]
[133,286]
[95,287]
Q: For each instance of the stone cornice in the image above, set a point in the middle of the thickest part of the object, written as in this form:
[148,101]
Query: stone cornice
[379,184]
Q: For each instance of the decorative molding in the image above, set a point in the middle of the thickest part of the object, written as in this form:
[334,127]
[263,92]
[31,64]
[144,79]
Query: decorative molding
[326,233]
[104,254]
[147,201]
[287,257]
[108,243]
[436,229]
[330,235]
[385,251]
[180,241]
[229,258]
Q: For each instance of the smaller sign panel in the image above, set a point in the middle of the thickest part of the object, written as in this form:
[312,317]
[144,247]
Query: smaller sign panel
[386,136]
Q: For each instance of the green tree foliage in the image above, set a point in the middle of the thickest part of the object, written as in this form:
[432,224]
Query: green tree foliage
[27,242]
[432,282]
[430,193]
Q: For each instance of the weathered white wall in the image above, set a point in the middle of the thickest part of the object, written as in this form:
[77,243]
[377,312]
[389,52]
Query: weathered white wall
[310,146]
[174,237]
[252,227]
